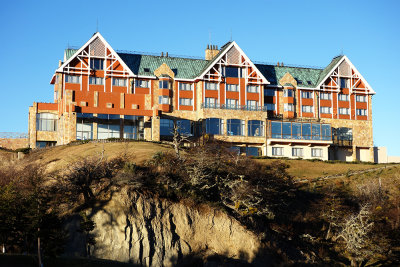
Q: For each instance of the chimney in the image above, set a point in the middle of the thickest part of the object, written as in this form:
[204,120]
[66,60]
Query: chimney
[282,64]
[162,54]
[211,51]
[166,54]
[277,64]
[59,63]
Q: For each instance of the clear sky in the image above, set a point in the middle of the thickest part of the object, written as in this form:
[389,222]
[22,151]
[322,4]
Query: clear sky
[34,35]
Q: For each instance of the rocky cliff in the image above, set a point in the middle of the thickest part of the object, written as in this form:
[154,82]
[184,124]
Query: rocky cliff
[149,231]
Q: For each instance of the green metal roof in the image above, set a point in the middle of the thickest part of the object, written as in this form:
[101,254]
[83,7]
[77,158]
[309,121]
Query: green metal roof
[187,68]
[184,68]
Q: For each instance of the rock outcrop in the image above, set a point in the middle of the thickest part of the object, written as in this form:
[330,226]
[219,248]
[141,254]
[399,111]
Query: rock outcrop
[149,231]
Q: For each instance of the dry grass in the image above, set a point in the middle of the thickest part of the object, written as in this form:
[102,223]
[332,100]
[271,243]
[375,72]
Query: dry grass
[305,169]
[58,157]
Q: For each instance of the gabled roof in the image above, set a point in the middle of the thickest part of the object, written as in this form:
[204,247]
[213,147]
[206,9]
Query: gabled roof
[325,73]
[224,49]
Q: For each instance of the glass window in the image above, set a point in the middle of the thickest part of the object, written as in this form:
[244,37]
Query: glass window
[326,132]
[325,96]
[119,82]
[84,130]
[344,83]
[288,107]
[286,130]
[72,79]
[185,101]
[361,112]
[214,126]
[306,94]
[105,131]
[232,104]
[163,84]
[211,86]
[277,151]
[316,131]
[163,100]
[296,130]
[166,127]
[276,129]
[306,131]
[253,88]
[185,87]
[307,109]
[361,98]
[255,128]
[184,127]
[326,110]
[96,63]
[344,111]
[316,152]
[343,97]
[297,152]
[288,93]
[142,83]
[269,92]
[269,106]
[211,102]
[232,72]
[252,151]
[252,104]
[344,133]
[133,127]
[46,122]
[96,80]
[232,87]
[235,127]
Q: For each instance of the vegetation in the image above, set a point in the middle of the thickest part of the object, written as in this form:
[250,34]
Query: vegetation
[349,220]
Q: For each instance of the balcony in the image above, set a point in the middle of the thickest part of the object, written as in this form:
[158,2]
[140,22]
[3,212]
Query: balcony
[233,107]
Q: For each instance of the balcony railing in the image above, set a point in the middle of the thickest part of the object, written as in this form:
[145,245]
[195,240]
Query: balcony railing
[233,107]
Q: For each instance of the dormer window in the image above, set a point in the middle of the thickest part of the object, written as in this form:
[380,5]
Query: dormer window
[344,83]
[96,64]
[164,84]
[231,72]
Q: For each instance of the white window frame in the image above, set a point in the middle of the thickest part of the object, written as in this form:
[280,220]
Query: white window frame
[361,98]
[323,110]
[232,87]
[119,82]
[96,80]
[316,152]
[164,100]
[307,109]
[297,152]
[306,95]
[286,93]
[277,151]
[325,96]
[185,87]
[361,112]
[185,101]
[253,89]
[72,79]
[211,86]
[288,107]
[341,96]
[141,84]
[344,111]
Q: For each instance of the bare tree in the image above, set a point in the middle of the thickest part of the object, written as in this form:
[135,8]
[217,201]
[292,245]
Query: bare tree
[178,139]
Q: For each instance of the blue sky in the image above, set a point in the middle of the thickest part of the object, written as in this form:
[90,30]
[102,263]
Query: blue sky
[35,33]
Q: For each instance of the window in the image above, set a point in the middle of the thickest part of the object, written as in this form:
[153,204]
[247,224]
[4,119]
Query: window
[326,110]
[141,83]
[163,100]
[252,104]
[297,152]
[185,87]
[269,106]
[306,95]
[232,103]
[210,102]
[133,127]
[166,127]
[185,101]
[307,109]
[72,79]
[325,96]
[269,92]
[119,82]
[277,151]
[214,126]
[361,112]
[344,83]
[231,72]
[299,82]
[344,111]
[96,80]
[343,97]
[343,133]
[163,84]
[46,122]
[252,89]
[211,86]
[288,107]
[326,132]
[232,87]
[288,93]
[96,63]
[361,98]
[255,128]
[235,127]
[316,152]
[105,131]
[43,144]
[84,130]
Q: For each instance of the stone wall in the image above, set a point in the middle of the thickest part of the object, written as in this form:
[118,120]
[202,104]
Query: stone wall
[14,143]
